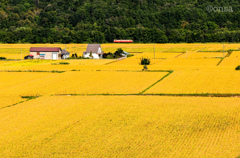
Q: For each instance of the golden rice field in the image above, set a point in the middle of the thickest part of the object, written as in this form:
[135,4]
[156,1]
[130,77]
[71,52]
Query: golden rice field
[76,82]
[111,108]
[7,101]
[121,126]
[187,82]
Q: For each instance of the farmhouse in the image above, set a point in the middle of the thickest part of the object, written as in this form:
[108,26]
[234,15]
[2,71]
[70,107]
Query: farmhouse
[52,53]
[95,50]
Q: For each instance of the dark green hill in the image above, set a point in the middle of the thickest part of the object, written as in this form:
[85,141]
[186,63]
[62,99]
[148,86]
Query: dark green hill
[78,21]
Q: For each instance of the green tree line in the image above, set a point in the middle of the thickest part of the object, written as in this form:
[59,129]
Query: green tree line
[101,21]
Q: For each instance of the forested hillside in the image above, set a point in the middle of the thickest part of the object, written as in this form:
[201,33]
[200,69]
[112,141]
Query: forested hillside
[78,21]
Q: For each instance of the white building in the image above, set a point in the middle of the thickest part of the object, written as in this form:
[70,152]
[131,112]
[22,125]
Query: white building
[96,51]
[52,53]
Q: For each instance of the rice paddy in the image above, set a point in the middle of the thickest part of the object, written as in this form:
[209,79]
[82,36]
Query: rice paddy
[111,108]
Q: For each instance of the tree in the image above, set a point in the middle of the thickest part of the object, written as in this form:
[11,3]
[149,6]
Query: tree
[36,2]
[118,53]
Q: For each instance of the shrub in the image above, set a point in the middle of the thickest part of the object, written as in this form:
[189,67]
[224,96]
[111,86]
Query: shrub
[109,55]
[238,67]
[2,58]
[145,61]
[130,55]
[145,68]
[118,53]
[64,63]
[54,63]
[73,57]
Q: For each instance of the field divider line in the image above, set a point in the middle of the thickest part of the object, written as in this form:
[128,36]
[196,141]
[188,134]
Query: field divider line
[125,70]
[170,72]
[220,61]
[24,97]
[53,71]
[116,60]
[159,94]
[179,55]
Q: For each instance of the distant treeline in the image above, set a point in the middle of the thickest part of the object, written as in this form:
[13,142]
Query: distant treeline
[147,21]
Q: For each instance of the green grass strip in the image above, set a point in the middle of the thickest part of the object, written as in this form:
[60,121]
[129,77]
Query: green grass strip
[24,97]
[126,70]
[53,71]
[179,55]
[157,82]
[111,62]
[160,94]
[229,53]
[220,62]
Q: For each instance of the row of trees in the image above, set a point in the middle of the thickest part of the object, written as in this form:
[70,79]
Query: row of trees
[64,35]
[78,21]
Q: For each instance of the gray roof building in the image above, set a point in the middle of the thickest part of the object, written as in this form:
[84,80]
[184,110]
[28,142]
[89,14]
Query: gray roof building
[65,52]
[93,48]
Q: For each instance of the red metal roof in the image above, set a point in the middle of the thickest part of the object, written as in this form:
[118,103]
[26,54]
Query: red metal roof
[45,49]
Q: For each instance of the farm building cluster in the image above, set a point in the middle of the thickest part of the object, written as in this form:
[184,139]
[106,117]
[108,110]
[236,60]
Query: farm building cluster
[93,51]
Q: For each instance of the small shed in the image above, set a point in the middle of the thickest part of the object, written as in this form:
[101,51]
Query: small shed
[96,51]
[52,53]
[64,54]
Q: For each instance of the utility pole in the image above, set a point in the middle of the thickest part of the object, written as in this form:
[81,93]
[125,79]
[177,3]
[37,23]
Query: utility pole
[223,51]
[154,50]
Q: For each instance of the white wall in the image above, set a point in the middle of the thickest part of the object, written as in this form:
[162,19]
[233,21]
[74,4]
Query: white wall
[95,56]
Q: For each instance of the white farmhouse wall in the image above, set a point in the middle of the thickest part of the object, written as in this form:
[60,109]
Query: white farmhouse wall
[87,55]
[99,50]
[48,55]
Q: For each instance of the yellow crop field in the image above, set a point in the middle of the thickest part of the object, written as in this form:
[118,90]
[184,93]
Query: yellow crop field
[121,126]
[189,62]
[186,82]
[158,55]
[203,55]
[235,54]
[114,108]
[14,56]
[77,82]
[7,101]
